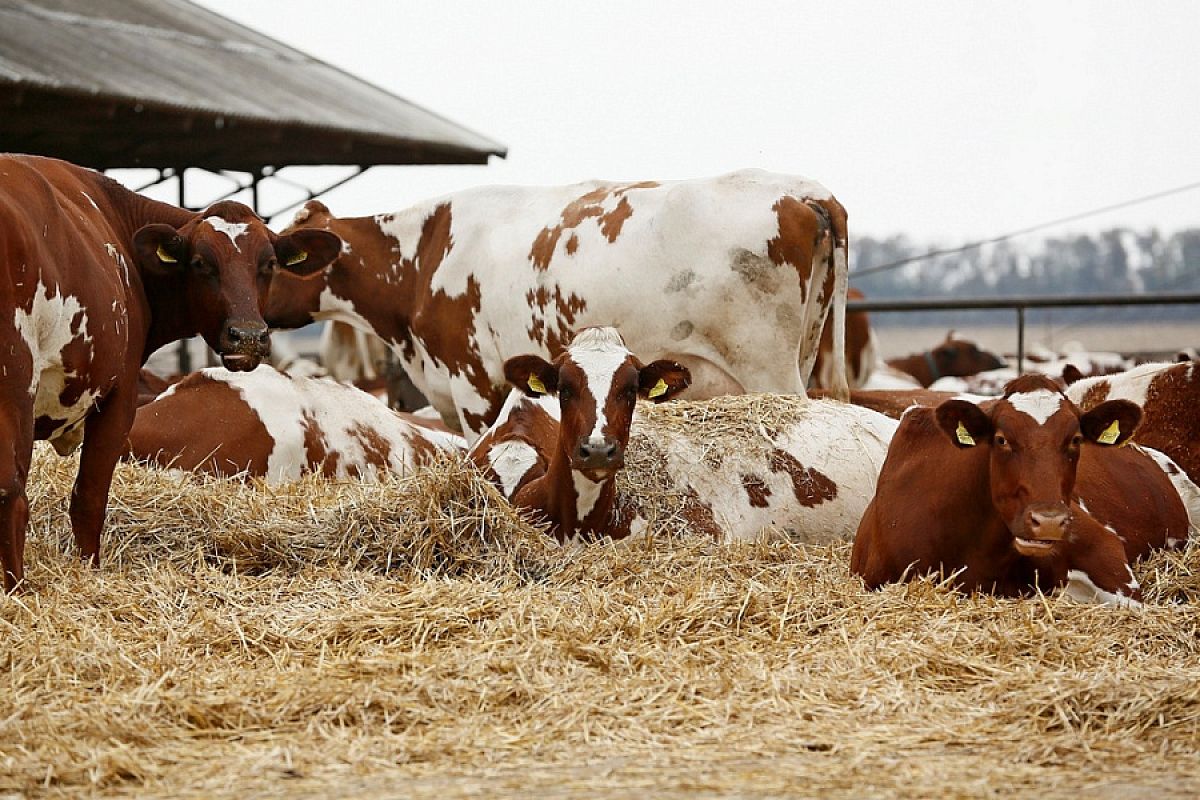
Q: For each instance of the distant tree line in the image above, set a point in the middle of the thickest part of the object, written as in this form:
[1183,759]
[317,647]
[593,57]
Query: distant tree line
[1115,261]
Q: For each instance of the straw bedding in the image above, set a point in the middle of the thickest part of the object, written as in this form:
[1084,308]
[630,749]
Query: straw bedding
[417,638]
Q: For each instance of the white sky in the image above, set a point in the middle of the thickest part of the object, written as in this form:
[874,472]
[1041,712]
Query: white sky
[944,120]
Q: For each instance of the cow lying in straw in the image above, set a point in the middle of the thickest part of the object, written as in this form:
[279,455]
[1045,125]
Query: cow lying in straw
[1021,493]
[265,424]
[561,434]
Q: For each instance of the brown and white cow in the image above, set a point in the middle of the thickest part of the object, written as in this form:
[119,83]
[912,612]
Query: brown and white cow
[265,424]
[96,278]
[729,276]
[862,349]
[562,432]
[1169,395]
[952,358]
[1020,493]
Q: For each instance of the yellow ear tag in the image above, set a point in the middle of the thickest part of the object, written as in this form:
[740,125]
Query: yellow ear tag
[166,257]
[536,384]
[1111,433]
[963,436]
[659,389]
[296,259]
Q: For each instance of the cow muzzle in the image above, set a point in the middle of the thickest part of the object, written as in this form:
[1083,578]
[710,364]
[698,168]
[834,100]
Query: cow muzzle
[244,345]
[1041,527]
[598,455]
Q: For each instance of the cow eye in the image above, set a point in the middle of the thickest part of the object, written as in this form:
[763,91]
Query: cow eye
[200,265]
[1076,440]
[564,393]
[1000,440]
[269,266]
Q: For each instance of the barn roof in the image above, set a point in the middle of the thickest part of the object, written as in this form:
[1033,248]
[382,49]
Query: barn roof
[165,83]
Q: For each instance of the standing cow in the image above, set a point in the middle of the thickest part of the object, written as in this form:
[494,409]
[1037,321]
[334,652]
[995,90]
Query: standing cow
[731,277]
[95,278]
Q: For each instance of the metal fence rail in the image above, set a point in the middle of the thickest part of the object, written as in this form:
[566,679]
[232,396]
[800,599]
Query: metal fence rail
[1020,304]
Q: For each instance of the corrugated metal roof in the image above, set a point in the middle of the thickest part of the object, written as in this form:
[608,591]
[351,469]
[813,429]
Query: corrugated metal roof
[151,82]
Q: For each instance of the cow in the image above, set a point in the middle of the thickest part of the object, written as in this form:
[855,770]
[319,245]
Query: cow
[266,424]
[729,276]
[731,467]
[1021,493]
[1169,395]
[862,349]
[562,431]
[953,357]
[97,277]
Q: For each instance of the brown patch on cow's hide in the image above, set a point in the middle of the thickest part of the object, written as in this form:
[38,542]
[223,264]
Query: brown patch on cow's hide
[556,337]
[77,364]
[1095,395]
[588,206]
[801,227]
[699,516]
[376,450]
[1170,422]
[757,490]
[810,486]
[316,448]
[423,451]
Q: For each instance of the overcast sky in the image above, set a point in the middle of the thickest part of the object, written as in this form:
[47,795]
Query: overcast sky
[943,120]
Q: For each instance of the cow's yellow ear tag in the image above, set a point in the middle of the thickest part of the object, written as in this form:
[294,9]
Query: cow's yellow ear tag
[166,257]
[1111,433]
[296,259]
[658,390]
[964,438]
[536,385]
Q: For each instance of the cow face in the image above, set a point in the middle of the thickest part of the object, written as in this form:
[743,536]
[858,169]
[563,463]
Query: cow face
[961,358]
[1034,434]
[225,258]
[597,382]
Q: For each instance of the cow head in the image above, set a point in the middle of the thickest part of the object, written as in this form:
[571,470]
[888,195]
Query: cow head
[597,382]
[224,259]
[293,298]
[1034,434]
[961,358]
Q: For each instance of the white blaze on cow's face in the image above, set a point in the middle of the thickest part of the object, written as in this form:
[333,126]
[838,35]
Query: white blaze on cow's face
[231,229]
[597,392]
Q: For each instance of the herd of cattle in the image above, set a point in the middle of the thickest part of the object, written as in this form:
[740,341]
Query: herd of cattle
[533,320]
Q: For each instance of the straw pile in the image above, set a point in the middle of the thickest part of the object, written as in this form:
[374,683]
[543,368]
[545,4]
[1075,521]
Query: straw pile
[416,638]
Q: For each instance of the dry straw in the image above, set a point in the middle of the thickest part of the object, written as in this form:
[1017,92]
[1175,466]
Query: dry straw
[417,638]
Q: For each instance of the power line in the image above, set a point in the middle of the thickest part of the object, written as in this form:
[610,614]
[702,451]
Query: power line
[859,273]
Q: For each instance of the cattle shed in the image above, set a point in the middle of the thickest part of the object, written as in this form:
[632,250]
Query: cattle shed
[168,85]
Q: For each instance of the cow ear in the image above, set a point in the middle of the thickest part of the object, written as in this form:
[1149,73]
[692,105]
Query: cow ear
[662,380]
[1111,422]
[306,252]
[1071,374]
[533,375]
[159,249]
[964,422]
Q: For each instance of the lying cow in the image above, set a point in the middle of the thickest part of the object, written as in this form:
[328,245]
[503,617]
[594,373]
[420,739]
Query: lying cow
[731,277]
[1020,493]
[952,358]
[561,434]
[98,277]
[265,424]
[1169,395]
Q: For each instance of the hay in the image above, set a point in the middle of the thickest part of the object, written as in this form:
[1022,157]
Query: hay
[417,638]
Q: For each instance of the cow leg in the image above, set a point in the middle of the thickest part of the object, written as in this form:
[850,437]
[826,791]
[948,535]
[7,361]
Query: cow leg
[105,434]
[16,451]
[1098,570]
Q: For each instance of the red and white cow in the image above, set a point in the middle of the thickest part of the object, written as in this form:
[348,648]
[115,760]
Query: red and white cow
[96,278]
[806,468]
[1020,493]
[952,358]
[862,349]
[561,434]
[1169,395]
[265,424]
[729,276]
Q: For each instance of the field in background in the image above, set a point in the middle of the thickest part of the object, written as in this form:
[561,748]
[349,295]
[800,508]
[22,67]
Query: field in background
[896,339]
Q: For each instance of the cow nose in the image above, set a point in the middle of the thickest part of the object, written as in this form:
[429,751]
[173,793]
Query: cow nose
[598,454]
[1048,523]
[253,333]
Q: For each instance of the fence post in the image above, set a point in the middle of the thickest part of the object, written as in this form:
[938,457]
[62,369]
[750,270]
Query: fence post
[1020,340]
